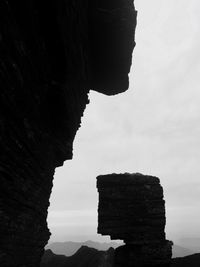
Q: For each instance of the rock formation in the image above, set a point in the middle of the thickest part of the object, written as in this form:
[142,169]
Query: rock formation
[51,54]
[131,208]
[111,30]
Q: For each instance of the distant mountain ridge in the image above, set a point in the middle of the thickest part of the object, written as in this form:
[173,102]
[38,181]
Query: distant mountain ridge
[90,257]
[179,251]
[84,257]
[193,243]
[69,248]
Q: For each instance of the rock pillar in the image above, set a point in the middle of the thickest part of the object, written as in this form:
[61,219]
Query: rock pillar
[131,208]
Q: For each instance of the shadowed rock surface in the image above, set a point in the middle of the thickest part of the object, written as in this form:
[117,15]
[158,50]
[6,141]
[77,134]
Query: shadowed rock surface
[111,39]
[51,53]
[131,208]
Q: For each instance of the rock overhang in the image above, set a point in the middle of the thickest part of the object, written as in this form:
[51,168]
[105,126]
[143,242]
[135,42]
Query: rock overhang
[111,40]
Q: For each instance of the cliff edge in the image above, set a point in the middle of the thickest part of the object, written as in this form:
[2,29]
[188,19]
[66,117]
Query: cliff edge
[51,54]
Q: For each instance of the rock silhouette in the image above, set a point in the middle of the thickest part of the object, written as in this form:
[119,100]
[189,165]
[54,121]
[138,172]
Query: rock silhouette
[84,257]
[68,248]
[131,208]
[50,56]
[95,258]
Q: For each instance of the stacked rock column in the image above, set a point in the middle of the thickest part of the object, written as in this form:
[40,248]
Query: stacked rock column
[131,208]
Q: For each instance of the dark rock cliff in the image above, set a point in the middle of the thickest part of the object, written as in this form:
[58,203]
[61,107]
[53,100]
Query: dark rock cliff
[51,54]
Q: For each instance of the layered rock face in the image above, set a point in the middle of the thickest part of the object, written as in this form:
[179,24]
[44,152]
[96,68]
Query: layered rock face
[131,208]
[48,55]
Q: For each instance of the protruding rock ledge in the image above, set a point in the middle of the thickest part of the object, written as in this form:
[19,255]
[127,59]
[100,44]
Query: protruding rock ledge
[112,40]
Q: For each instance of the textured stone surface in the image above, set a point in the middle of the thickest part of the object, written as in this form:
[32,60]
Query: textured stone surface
[42,98]
[45,76]
[131,208]
[153,255]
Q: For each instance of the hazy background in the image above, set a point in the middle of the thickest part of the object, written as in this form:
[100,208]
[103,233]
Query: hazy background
[153,128]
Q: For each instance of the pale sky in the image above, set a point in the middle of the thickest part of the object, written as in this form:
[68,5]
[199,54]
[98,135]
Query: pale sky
[153,128]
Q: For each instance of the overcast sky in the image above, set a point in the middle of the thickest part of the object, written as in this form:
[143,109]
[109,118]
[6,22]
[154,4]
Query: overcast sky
[153,128]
